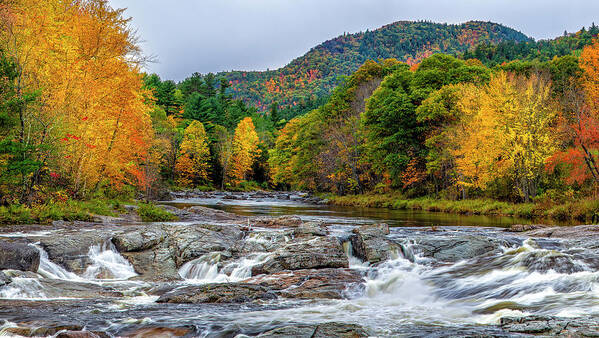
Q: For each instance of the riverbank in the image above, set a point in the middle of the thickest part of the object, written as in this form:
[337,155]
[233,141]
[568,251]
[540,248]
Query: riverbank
[583,211]
[290,272]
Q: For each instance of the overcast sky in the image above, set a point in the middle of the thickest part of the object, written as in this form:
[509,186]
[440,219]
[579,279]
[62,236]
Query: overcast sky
[205,36]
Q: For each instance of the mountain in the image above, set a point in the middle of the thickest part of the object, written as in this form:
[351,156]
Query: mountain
[306,82]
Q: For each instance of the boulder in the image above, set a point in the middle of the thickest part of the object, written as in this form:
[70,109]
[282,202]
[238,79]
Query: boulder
[159,332]
[77,334]
[70,248]
[314,252]
[217,293]
[574,232]
[312,283]
[18,256]
[320,331]
[277,222]
[369,243]
[4,279]
[551,326]
[310,229]
[192,241]
[454,249]
[139,240]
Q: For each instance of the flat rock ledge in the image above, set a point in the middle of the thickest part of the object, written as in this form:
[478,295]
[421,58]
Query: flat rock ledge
[217,293]
[552,326]
[317,331]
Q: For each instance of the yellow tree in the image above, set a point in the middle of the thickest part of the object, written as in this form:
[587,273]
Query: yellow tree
[508,131]
[84,59]
[244,150]
[192,164]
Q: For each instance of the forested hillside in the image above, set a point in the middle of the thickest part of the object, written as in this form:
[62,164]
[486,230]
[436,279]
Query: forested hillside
[303,83]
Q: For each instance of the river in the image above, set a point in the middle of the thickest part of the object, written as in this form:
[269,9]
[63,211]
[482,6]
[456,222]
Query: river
[458,280]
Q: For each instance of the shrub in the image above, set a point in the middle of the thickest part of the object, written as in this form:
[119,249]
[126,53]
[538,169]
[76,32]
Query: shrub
[152,213]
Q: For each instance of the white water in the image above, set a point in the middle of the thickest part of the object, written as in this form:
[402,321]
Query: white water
[108,263]
[107,267]
[205,269]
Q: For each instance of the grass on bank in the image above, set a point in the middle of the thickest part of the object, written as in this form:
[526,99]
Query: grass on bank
[584,210]
[76,210]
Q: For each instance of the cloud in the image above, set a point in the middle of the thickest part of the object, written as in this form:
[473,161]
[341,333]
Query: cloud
[216,35]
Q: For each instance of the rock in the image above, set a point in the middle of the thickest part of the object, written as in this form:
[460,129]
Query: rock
[296,331]
[18,256]
[139,240]
[159,332]
[77,334]
[554,326]
[370,243]
[214,214]
[310,229]
[310,284]
[454,249]
[70,248]
[192,241]
[156,264]
[40,331]
[305,253]
[157,252]
[277,222]
[217,293]
[339,330]
[317,331]
[58,288]
[4,279]
[574,232]
[526,227]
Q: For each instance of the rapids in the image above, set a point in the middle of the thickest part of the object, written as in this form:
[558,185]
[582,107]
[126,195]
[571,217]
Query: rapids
[416,292]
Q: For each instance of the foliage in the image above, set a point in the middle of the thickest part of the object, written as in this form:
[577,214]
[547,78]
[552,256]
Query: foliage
[306,82]
[244,151]
[192,164]
[152,213]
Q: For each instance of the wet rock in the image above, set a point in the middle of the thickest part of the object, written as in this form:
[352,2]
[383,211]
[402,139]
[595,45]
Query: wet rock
[4,279]
[310,284]
[277,222]
[305,253]
[217,293]
[33,287]
[70,249]
[192,241]
[214,214]
[77,334]
[310,229]
[526,227]
[40,331]
[260,241]
[139,240]
[574,232]
[156,264]
[320,331]
[18,256]
[156,253]
[554,326]
[159,332]
[369,243]
[339,330]
[454,249]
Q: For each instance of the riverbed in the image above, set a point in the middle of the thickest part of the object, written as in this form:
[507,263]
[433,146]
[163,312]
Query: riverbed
[278,265]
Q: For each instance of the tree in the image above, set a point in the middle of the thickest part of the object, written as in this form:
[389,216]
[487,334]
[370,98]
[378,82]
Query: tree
[223,151]
[244,150]
[508,132]
[192,164]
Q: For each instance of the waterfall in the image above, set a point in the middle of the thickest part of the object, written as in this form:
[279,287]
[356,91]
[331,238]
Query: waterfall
[107,263]
[354,262]
[49,269]
[206,268]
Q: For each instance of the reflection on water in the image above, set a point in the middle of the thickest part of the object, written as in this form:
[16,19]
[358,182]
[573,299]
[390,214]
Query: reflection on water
[348,215]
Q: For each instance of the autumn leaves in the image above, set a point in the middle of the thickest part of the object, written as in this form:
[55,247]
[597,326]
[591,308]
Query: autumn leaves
[236,156]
